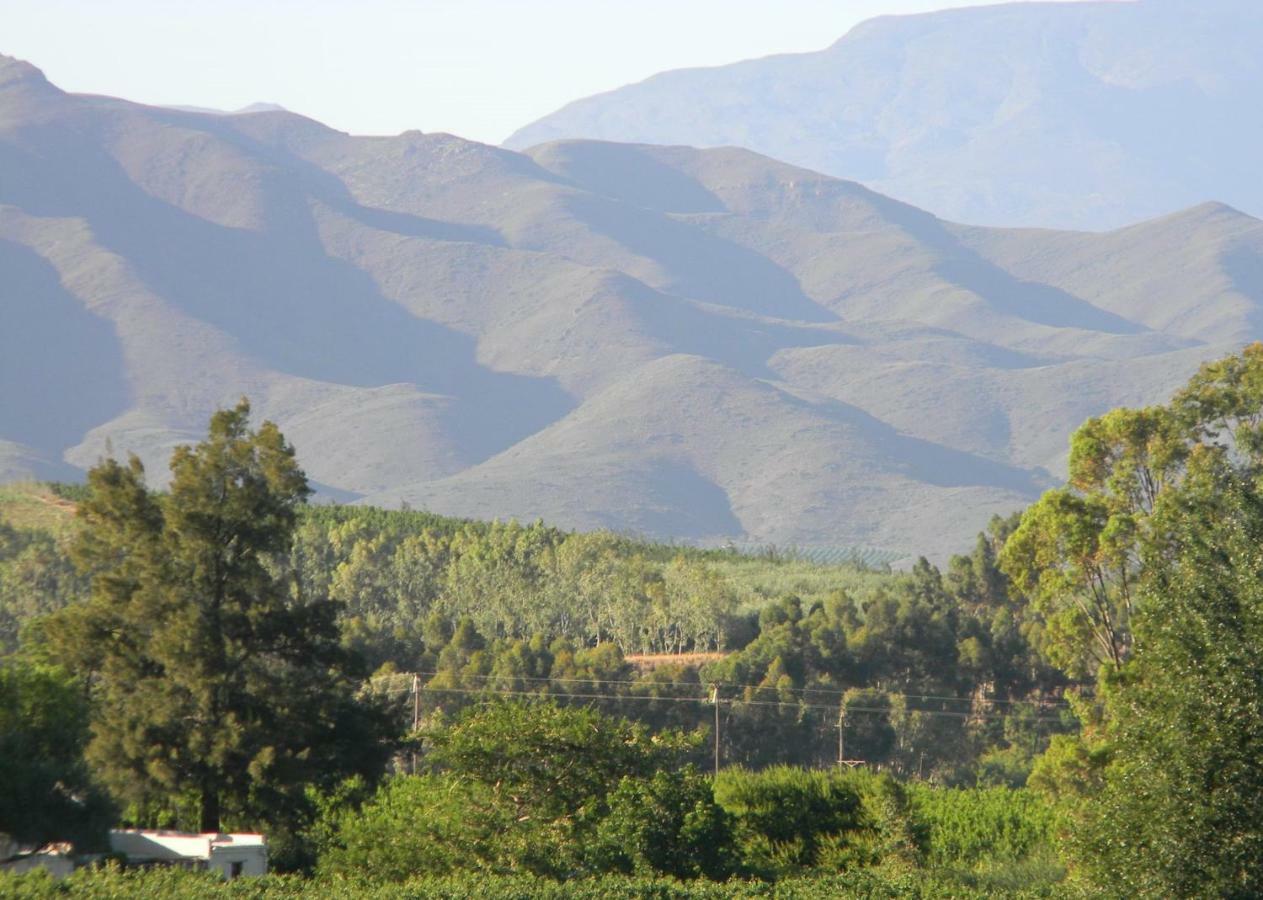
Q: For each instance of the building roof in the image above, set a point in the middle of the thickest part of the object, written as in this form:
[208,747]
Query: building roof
[142,844]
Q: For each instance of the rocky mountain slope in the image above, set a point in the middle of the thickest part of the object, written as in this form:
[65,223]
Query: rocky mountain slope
[702,344]
[1073,115]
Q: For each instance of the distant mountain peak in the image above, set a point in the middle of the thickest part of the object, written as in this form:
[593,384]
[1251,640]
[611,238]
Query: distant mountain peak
[260,107]
[16,71]
[212,111]
[1084,115]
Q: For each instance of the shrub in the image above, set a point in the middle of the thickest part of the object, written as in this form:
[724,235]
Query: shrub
[667,824]
[783,814]
[971,825]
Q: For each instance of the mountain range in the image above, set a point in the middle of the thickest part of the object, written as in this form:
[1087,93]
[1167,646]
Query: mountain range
[706,345]
[1070,115]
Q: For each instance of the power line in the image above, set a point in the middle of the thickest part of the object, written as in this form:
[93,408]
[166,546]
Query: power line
[693,684]
[777,704]
[823,692]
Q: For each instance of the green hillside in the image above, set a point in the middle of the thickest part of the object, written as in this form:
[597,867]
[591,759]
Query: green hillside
[30,504]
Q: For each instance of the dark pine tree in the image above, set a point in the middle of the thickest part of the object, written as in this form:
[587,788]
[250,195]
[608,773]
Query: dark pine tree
[216,684]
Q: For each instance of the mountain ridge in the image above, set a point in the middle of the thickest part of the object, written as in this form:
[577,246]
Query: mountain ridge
[1070,115]
[700,344]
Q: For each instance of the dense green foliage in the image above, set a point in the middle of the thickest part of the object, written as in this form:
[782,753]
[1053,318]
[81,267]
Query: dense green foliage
[36,578]
[174,884]
[536,787]
[219,694]
[566,793]
[510,581]
[46,791]
[1150,571]
[1109,638]
[547,758]
[789,818]
[529,609]
[669,824]
[970,826]
[1181,809]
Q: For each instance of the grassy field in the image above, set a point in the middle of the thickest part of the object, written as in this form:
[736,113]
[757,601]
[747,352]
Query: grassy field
[756,577]
[30,505]
[759,579]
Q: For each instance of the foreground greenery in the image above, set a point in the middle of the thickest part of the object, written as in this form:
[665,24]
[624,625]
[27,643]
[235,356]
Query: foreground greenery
[171,884]
[1075,706]
[47,792]
[514,797]
[1148,566]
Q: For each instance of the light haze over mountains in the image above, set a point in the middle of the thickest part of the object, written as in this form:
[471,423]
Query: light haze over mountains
[700,344]
[1070,115]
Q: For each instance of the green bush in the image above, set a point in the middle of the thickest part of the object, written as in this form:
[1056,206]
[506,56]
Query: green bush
[528,787]
[892,835]
[967,826]
[669,824]
[415,825]
[549,759]
[783,814]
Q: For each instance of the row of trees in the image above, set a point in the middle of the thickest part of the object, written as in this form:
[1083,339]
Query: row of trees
[513,581]
[37,577]
[392,572]
[786,713]
[937,676]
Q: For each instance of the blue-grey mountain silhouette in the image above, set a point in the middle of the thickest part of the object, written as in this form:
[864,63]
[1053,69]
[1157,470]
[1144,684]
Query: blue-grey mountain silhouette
[702,344]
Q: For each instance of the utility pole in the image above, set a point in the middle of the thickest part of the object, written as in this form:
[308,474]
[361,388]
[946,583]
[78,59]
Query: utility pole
[842,760]
[416,715]
[416,702]
[714,698]
[841,732]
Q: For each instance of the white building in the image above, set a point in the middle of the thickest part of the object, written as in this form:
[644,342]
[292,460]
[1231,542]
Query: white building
[231,855]
[56,858]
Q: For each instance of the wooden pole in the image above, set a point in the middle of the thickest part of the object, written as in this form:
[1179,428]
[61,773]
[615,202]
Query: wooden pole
[841,738]
[714,698]
[416,715]
[416,702]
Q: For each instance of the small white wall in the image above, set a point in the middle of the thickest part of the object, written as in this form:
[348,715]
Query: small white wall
[216,852]
[57,864]
[159,845]
[254,860]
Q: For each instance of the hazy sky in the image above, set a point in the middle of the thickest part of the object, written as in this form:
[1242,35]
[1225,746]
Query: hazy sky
[477,68]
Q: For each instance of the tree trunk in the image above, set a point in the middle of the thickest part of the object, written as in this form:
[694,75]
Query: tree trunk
[210,808]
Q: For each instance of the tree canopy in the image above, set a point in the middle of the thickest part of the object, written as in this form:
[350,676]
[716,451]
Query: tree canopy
[216,683]
[1151,564]
[46,791]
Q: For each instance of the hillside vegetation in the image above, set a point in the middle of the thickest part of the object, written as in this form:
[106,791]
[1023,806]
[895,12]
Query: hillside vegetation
[513,640]
[480,607]
[1069,707]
